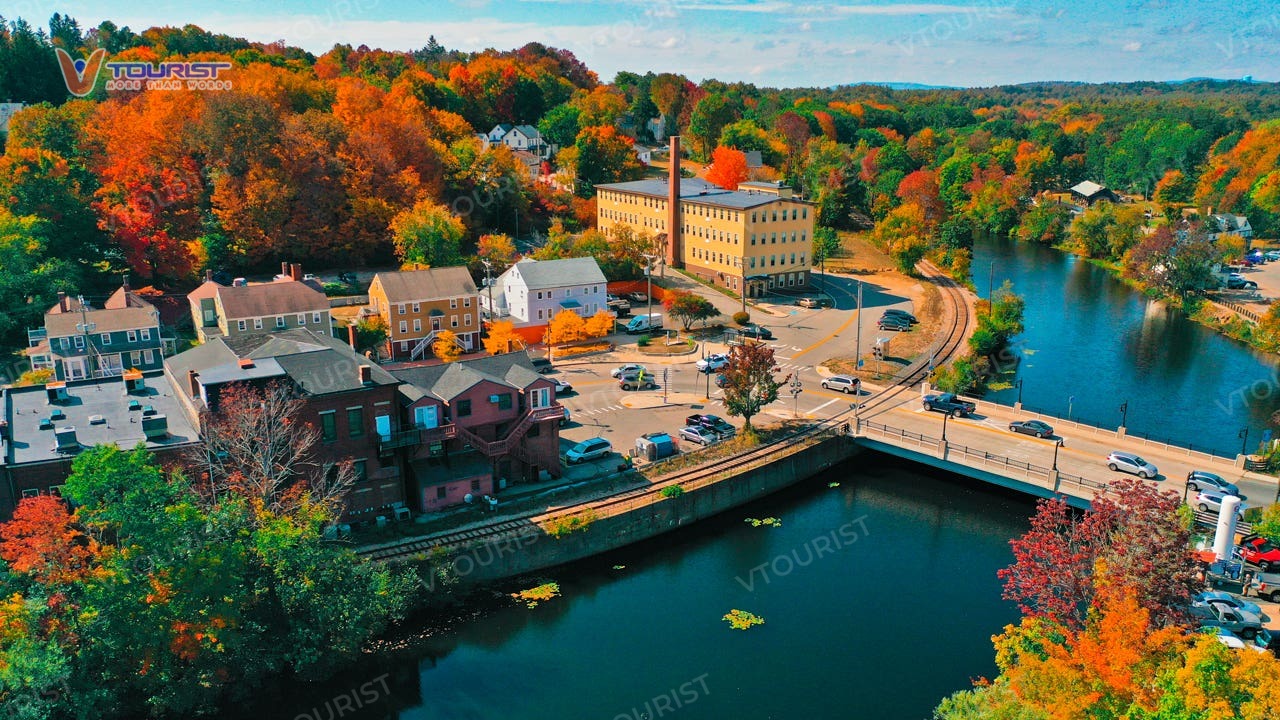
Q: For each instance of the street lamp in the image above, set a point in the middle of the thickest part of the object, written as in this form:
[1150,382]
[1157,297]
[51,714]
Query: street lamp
[945,416]
[650,260]
[1019,384]
[1244,440]
[1056,447]
[1124,414]
[1071,401]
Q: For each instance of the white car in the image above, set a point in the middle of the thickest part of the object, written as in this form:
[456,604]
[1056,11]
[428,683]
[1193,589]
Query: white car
[629,368]
[561,386]
[1211,501]
[592,449]
[1128,462]
[711,363]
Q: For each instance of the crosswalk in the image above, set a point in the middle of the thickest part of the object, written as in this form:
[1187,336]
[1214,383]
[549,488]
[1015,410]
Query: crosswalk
[597,410]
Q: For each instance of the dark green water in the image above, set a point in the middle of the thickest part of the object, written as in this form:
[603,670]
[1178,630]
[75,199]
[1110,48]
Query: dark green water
[1092,343]
[879,597]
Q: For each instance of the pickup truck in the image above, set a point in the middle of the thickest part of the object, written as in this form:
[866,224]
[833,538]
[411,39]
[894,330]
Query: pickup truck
[949,403]
[1241,622]
[1261,552]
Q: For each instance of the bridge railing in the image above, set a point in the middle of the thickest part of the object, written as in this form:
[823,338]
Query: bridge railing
[919,438]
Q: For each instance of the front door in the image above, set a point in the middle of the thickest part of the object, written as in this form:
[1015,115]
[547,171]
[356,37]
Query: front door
[427,416]
[435,323]
[75,368]
[382,423]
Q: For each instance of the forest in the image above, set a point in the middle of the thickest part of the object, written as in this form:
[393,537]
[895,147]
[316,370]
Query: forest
[365,157]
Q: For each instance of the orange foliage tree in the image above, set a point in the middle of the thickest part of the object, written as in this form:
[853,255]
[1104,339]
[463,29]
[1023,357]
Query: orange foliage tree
[44,541]
[502,338]
[728,167]
[446,346]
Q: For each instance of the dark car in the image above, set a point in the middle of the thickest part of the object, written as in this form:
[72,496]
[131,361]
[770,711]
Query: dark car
[1237,282]
[894,322]
[715,423]
[1032,427]
[901,313]
[756,332]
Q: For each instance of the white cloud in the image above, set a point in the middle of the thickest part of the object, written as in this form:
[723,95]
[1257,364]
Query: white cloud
[806,26]
[669,43]
[1134,46]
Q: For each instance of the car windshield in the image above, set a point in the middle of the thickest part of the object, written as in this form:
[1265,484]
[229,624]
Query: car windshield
[1139,460]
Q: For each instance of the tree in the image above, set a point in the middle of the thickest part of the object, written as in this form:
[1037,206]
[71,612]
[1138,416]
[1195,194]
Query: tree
[497,249]
[600,324]
[371,332]
[566,327]
[668,94]
[257,445]
[710,116]
[826,244]
[502,338]
[749,382]
[560,125]
[604,155]
[688,307]
[428,234]
[1132,533]
[446,346]
[1175,189]
[728,168]
[44,541]
[1045,223]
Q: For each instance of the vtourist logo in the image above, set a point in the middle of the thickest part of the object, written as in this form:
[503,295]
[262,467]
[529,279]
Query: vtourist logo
[669,701]
[828,543]
[349,702]
[447,568]
[81,75]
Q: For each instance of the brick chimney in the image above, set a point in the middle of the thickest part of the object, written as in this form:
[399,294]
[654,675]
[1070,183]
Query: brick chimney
[673,206]
[366,375]
[208,276]
[351,336]
[295,272]
[62,301]
[193,383]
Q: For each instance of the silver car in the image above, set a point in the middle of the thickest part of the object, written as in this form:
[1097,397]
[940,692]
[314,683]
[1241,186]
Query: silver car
[1211,501]
[843,383]
[1128,462]
[1218,597]
[699,434]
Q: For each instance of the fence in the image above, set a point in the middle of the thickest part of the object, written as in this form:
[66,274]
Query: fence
[348,300]
[1238,309]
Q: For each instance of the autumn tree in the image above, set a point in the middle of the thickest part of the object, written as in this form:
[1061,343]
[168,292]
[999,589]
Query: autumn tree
[371,333]
[728,168]
[567,326]
[749,380]
[688,307]
[44,541]
[257,445]
[604,155]
[427,234]
[498,249]
[668,92]
[1047,223]
[502,338]
[921,189]
[709,117]
[600,324]
[446,346]
[826,244]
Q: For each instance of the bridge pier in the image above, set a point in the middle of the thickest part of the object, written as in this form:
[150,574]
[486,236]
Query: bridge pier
[1120,432]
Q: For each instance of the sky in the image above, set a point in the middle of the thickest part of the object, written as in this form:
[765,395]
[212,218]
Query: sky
[776,43]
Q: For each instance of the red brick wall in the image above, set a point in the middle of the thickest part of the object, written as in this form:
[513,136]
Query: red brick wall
[374,496]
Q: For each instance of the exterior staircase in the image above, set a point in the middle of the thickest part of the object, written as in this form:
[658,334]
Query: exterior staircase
[511,445]
[424,345]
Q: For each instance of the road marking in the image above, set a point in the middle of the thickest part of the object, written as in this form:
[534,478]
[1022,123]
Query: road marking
[822,406]
[823,341]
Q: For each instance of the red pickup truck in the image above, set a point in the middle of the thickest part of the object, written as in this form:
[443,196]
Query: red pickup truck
[1261,552]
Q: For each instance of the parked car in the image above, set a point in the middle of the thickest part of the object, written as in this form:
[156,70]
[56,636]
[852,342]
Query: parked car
[1258,643]
[711,363]
[901,313]
[628,368]
[636,381]
[1261,552]
[1032,427]
[637,296]
[1199,480]
[843,383]
[1266,585]
[721,380]
[1236,281]
[1272,255]
[1128,462]
[1245,624]
[593,449]
[948,403]
[1211,501]
[715,423]
[568,418]
[1221,598]
[756,332]
[808,302]
[1256,256]
[618,305]
[894,322]
[698,434]
[561,386]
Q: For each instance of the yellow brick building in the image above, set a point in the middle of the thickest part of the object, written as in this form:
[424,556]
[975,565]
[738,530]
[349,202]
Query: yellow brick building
[759,237]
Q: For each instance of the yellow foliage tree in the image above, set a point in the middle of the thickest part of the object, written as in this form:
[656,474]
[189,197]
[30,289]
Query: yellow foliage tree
[446,346]
[599,325]
[502,338]
[567,326]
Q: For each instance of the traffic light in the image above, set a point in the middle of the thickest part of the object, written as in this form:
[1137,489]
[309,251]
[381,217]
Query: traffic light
[877,351]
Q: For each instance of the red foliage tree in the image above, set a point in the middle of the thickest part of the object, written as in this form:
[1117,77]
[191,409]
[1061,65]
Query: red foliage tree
[44,541]
[728,167]
[921,188]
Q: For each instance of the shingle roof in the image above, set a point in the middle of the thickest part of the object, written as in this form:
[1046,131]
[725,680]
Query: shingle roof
[693,190]
[542,274]
[275,298]
[104,321]
[449,380]
[433,284]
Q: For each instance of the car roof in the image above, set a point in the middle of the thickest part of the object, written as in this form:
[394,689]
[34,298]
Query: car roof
[840,377]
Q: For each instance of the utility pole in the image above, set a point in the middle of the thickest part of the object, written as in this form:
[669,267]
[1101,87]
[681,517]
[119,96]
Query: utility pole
[649,261]
[488,281]
[857,334]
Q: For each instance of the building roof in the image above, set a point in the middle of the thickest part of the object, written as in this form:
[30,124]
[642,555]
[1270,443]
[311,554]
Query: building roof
[449,380]
[1231,223]
[433,284]
[275,298]
[543,274]
[207,290]
[65,324]
[528,131]
[699,191]
[1087,188]
[106,400]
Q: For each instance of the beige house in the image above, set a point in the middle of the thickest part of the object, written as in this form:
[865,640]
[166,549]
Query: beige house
[419,304]
[222,311]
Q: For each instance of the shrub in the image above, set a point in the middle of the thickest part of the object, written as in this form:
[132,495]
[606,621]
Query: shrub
[561,526]
[643,341]
[672,491]
[742,317]
[34,377]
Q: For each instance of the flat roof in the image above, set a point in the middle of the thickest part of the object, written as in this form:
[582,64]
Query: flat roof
[25,408]
[693,190]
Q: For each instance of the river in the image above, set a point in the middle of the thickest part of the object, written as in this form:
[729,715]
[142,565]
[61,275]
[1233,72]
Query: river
[1092,344]
[879,598]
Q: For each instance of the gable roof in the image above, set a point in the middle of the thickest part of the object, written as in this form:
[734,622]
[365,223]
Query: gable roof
[208,289]
[62,324]
[528,131]
[447,381]
[432,284]
[543,274]
[1088,188]
[276,298]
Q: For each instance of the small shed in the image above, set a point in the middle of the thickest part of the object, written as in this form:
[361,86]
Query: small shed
[655,446]
[1091,192]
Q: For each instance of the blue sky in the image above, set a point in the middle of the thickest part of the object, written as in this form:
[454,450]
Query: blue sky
[772,42]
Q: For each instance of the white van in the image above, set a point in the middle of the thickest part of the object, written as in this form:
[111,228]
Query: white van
[644,323]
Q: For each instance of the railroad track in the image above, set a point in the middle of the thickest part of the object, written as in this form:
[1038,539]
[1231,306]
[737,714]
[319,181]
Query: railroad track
[945,349]
[687,479]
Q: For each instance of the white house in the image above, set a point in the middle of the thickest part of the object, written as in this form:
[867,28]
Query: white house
[531,292]
[1222,224]
[644,154]
[498,132]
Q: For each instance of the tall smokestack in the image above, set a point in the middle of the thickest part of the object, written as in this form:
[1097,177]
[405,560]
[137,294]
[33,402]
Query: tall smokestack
[673,206]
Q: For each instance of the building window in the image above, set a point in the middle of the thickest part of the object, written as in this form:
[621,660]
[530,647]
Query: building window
[315,318]
[328,426]
[106,338]
[148,357]
[417,324]
[355,422]
[475,486]
[146,334]
[257,323]
[79,342]
[466,302]
[280,321]
[417,308]
[132,335]
[404,346]
[453,303]
[400,309]
[773,238]
[361,468]
[302,318]
[404,327]
[441,492]
[453,321]
[242,325]
[466,320]
[504,401]
[804,213]
[540,397]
